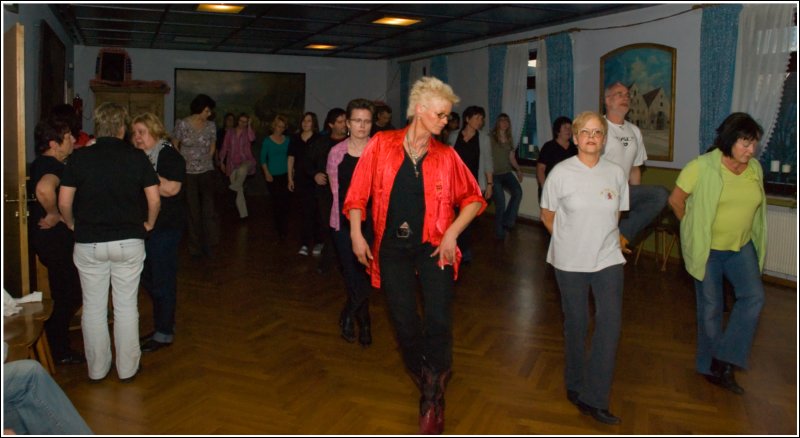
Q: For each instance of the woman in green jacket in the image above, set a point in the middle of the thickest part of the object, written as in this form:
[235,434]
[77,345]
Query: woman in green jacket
[719,198]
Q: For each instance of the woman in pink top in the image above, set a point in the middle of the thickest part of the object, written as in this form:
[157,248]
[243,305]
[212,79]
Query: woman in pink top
[236,159]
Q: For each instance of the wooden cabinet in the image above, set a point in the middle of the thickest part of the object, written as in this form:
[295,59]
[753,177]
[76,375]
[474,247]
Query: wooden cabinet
[137,99]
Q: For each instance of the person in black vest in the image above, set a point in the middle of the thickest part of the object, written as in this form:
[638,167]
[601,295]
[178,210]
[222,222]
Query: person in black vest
[160,274]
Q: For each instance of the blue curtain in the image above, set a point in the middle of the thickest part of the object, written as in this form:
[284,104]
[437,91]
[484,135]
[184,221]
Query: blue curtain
[439,67]
[719,32]
[560,79]
[497,66]
[405,68]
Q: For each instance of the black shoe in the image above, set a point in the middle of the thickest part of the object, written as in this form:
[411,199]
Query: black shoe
[364,324]
[601,415]
[573,396]
[152,345]
[131,378]
[722,375]
[70,358]
[348,326]
[147,337]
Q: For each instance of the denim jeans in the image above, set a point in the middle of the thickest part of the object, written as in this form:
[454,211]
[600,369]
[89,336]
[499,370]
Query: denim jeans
[731,344]
[34,404]
[429,339]
[120,263]
[591,375]
[160,278]
[646,202]
[505,215]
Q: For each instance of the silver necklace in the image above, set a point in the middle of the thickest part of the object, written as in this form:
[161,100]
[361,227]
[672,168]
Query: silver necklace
[415,156]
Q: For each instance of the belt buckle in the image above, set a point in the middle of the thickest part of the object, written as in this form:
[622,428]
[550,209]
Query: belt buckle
[404,231]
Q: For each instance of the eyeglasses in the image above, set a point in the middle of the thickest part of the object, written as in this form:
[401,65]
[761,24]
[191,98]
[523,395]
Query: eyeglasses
[361,122]
[591,133]
[440,116]
[620,94]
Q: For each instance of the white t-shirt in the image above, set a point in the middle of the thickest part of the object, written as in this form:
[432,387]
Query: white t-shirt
[624,146]
[586,201]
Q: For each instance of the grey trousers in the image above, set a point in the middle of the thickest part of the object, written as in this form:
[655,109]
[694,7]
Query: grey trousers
[591,373]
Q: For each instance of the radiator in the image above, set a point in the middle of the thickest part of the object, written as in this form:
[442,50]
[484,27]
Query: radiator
[781,242]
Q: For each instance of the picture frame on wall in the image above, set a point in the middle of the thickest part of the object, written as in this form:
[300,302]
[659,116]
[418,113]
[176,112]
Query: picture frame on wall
[648,70]
[261,95]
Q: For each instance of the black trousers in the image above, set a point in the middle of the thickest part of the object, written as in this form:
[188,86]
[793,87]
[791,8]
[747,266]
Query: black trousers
[355,276]
[54,247]
[312,230]
[279,191]
[428,339]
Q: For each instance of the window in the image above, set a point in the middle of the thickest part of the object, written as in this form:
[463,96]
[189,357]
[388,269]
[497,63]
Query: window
[527,154]
[780,155]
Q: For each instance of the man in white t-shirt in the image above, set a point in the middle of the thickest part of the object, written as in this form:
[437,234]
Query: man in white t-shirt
[624,146]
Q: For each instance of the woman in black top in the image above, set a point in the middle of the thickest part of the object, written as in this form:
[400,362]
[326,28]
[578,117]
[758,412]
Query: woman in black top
[303,184]
[160,274]
[342,162]
[556,150]
[51,239]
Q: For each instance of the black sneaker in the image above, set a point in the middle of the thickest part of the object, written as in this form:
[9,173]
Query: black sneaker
[152,345]
[70,358]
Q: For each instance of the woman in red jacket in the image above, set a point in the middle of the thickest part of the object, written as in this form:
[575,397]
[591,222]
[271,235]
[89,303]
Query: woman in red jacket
[415,182]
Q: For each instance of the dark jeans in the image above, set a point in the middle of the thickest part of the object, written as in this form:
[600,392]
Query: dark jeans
[591,375]
[279,190]
[505,216]
[160,278]
[430,339]
[54,247]
[203,223]
[355,275]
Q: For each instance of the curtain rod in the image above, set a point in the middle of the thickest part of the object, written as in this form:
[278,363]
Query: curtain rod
[570,30]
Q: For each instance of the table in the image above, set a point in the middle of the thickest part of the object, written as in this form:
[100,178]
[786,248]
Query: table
[25,336]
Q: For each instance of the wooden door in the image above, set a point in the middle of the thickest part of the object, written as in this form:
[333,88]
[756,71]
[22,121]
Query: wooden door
[16,270]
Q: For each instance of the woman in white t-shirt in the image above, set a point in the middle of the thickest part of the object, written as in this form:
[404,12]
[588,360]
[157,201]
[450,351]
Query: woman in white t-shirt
[581,202]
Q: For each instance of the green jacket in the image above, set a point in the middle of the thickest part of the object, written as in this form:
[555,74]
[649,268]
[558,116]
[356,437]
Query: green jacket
[701,210]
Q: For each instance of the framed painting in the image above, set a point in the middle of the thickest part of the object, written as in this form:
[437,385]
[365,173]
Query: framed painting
[262,95]
[648,70]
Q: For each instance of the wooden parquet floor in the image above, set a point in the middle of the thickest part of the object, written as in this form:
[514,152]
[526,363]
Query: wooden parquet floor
[258,351]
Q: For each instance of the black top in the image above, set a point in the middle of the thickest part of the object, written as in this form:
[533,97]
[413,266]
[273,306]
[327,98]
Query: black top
[469,151]
[40,167]
[346,169]
[318,151]
[109,178]
[298,148]
[406,203]
[171,166]
[552,153]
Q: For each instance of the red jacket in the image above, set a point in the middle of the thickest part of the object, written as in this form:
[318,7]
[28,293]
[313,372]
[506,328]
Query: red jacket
[447,183]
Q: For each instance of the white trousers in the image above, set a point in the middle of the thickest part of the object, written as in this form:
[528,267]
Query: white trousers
[238,177]
[119,262]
